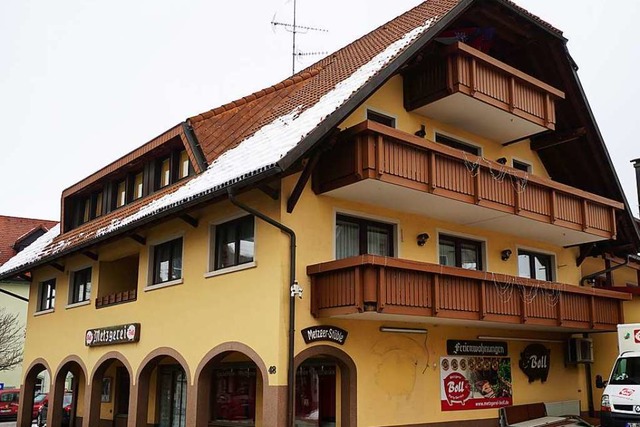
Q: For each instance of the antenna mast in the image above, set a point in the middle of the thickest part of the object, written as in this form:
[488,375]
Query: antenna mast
[294,29]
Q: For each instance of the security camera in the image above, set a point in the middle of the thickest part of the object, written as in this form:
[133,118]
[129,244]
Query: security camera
[296,290]
[422,238]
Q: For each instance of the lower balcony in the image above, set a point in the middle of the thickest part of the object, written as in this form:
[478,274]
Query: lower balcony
[381,288]
[116,298]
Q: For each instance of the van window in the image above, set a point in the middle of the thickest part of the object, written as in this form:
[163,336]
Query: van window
[9,397]
[626,371]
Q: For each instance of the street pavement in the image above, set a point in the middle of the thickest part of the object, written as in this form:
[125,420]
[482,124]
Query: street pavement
[10,424]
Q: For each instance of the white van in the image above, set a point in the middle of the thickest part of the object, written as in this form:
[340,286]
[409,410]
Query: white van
[620,406]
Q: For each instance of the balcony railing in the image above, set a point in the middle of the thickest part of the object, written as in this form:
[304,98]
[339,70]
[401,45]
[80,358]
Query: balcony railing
[370,150]
[385,285]
[461,69]
[116,298]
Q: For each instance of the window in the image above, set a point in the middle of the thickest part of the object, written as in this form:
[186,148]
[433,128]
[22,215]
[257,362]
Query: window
[459,252]
[86,210]
[121,193]
[458,145]
[80,285]
[357,236]
[234,242]
[98,204]
[381,118]
[137,186]
[535,265]
[184,165]
[167,261]
[47,295]
[517,164]
[165,172]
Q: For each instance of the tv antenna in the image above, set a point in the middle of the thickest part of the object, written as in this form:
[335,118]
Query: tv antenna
[294,29]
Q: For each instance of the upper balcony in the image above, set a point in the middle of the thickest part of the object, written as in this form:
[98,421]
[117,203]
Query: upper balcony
[469,89]
[382,166]
[382,288]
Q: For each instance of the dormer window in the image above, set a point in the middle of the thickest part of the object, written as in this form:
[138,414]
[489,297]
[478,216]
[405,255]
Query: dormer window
[98,204]
[138,185]
[184,165]
[165,172]
[121,193]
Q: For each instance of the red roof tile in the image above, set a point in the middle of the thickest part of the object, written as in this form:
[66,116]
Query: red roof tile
[13,228]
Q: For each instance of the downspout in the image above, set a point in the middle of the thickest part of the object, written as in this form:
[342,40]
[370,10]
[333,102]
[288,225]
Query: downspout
[636,165]
[293,291]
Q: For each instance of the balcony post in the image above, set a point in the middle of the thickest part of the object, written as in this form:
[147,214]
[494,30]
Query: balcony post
[560,309]
[436,294]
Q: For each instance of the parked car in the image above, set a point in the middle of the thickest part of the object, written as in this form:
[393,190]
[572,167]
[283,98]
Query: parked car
[9,401]
[38,401]
[67,403]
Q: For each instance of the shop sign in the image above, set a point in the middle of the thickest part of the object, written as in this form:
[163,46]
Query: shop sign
[109,335]
[324,333]
[476,348]
[535,362]
[475,383]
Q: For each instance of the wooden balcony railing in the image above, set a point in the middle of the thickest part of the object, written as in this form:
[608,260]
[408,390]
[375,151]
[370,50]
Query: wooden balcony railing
[370,150]
[467,70]
[370,283]
[116,298]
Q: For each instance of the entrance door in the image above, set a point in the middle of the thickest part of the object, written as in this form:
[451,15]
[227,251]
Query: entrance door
[173,396]
[316,394]
[121,397]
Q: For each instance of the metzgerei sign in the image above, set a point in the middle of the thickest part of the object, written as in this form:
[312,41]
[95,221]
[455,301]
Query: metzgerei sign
[110,335]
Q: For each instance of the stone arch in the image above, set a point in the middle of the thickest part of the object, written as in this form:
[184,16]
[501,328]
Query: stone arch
[203,382]
[349,379]
[93,400]
[27,392]
[73,365]
[140,403]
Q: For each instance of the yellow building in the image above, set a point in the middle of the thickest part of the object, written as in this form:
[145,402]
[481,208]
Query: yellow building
[383,239]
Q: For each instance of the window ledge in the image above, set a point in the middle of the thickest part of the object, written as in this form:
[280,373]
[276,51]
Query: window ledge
[227,270]
[78,304]
[41,312]
[163,285]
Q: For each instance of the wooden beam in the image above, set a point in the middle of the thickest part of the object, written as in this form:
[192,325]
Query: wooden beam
[92,255]
[302,181]
[25,277]
[585,251]
[138,238]
[274,193]
[189,220]
[57,266]
[556,138]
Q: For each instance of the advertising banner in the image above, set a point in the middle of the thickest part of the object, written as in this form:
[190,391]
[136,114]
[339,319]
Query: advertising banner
[475,383]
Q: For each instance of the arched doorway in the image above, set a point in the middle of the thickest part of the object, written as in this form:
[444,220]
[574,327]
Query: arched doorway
[34,392]
[66,403]
[110,391]
[325,389]
[231,389]
[162,390]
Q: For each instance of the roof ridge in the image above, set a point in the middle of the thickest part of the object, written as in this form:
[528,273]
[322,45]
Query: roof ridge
[290,81]
[28,218]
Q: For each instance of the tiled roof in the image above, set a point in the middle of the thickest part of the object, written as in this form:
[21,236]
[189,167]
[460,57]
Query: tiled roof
[250,135]
[13,228]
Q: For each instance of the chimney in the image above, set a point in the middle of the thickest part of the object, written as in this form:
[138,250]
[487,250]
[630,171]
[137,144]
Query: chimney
[636,164]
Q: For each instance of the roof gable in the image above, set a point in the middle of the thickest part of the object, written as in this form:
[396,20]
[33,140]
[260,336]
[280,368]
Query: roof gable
[13,230]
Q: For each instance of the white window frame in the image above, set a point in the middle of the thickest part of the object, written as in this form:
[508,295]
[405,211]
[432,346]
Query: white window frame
[38,311]
[150,286]
[530,171]
[211,271]
[70,286]
[368,108]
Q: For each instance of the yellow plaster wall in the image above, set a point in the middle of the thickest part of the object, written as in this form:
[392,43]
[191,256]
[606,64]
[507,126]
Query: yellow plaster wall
[197,315]
[388,100]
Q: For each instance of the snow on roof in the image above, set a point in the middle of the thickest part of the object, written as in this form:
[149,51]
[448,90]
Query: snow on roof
[273,141]
[255,154]
[34,251]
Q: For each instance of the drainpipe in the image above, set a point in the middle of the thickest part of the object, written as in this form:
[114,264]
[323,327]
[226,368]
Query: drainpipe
[636,164]
[294,290]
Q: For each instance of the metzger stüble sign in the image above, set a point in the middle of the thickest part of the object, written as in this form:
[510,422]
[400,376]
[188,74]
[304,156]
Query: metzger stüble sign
[324,333]
[109,335]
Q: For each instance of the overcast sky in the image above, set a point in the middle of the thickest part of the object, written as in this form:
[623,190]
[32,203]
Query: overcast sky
[83,82]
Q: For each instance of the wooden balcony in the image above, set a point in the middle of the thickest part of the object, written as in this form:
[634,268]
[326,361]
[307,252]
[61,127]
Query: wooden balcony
[374,287]
[472,90]
[116,298]
[379,165]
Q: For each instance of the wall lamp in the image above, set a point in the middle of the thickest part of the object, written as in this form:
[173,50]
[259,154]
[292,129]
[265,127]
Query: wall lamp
[421,133]
[502,160]
[505,254]
[492,338]
[422,239]
[403,330]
